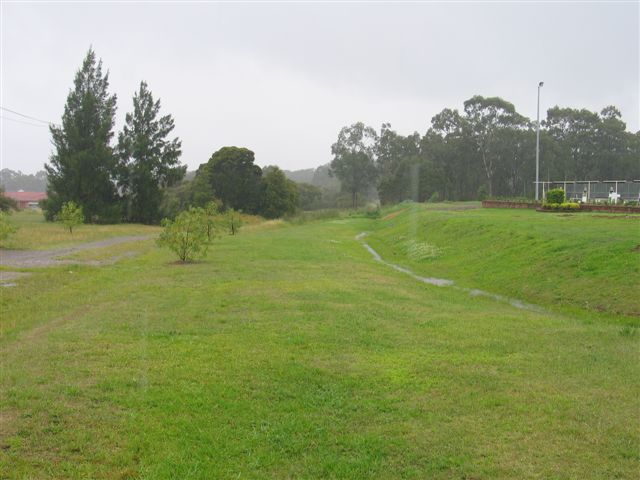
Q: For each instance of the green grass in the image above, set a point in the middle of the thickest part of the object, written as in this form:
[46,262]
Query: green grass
[290,353]
[35,234]
[573,261]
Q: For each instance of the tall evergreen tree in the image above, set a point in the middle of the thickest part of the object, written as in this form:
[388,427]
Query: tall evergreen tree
[149,161]
[83,166]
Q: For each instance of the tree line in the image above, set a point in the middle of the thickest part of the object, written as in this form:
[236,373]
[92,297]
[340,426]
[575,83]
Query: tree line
[488,149]
[133,178]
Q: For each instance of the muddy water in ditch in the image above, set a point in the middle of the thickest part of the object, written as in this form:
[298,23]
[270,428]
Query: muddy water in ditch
[443,282]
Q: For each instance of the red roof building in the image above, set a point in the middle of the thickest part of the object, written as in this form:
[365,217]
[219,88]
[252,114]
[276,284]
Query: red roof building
[27,199]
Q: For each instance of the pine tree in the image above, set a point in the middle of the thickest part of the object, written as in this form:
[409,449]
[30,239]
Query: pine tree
[83,166]
[149,161]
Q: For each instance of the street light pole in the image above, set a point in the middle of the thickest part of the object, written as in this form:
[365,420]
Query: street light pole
[538,144]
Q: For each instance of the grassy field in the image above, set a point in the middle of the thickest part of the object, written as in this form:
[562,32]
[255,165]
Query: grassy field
[35,234]
[290,353]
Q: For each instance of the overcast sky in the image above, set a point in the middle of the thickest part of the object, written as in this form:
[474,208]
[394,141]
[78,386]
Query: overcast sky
[283,78]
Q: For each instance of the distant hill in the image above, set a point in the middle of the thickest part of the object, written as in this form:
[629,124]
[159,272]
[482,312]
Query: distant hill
[318,177]
[13,181]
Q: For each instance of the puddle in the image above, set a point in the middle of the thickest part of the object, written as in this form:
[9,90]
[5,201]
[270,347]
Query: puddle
[443,282]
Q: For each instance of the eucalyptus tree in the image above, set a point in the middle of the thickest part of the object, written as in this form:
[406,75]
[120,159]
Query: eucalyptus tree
[487,119]
[354,159]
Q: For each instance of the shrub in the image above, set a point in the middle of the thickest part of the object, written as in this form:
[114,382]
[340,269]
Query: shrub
[186,235]
[569,206]
[435,197]
[70,216]
[6,227]
[555,195]
[482,193]
[372,210]
[7,204]
[233,221]
[562,207]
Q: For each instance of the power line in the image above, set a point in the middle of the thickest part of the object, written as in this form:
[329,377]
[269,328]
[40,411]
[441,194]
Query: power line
[28,116]
[23,122]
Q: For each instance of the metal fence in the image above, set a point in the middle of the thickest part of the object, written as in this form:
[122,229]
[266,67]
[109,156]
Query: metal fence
[595,190]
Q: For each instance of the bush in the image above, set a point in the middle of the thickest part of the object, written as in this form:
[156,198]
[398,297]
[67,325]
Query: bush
[372,210]
[186,235]
[6,227]
[70,216]
[562,207]
[435,197]
[482,193]
[233,221]
[569,206]
[7,204]
[555,195]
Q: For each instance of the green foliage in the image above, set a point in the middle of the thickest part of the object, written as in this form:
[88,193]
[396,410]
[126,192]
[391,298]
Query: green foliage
[482,192]
[231,176]
[353,159]
[187,235]
[372,210]
[211,211]
[6,227]
[70,215]
[555,195]
[309,196]
[13,181]
[83,167]
[279,194]
[149,161]
[7,204]
[435,197]
[233,221]
[562,207]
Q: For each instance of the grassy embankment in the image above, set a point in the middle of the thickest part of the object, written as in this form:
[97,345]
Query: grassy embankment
[290,353]
[585,261]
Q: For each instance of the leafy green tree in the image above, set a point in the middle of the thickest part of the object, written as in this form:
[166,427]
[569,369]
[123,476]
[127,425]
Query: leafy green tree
[353,159]
[279,194]
[233,178]
[149,160]
[6,227]
[487,118]
[70,215]
[576,133]
[186,236]
[83,166]
[398,162]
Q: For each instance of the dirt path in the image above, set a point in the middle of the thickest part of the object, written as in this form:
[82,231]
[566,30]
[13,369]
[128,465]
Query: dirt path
[45,258]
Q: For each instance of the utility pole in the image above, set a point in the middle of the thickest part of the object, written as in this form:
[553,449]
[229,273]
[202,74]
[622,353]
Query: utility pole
[538,143]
